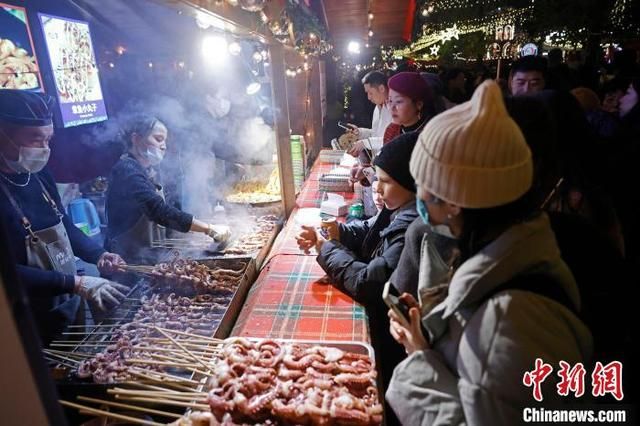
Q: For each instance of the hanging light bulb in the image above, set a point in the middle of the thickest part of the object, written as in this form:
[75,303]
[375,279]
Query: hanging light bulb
[235,48]
[370,33]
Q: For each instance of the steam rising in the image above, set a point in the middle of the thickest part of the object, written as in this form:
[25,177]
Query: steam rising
[207,137]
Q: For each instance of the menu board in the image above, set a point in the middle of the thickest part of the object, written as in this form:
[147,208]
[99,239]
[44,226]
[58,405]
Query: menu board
[18,64]
[75,70]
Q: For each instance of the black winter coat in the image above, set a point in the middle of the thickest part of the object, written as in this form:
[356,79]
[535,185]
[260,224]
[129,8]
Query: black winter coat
[367,253]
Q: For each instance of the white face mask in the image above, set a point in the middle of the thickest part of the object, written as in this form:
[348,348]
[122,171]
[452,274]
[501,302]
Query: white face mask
[30,160]
[155,155]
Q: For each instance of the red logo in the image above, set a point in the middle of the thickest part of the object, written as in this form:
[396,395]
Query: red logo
[604,379]
[536,377]
[572,379]
[607,379]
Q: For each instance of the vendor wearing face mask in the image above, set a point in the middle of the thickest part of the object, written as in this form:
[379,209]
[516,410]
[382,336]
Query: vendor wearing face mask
[135,201]
[44,241]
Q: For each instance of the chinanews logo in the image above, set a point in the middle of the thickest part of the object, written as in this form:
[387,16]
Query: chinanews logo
[605,380]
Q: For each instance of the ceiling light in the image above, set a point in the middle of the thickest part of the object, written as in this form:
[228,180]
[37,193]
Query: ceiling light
[353,47]
[214,48]
[235,48]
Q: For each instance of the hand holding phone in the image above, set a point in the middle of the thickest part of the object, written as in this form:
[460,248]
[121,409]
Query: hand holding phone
[392,299]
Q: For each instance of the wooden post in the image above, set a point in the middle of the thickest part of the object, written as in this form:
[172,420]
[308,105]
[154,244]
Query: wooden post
[282,126]
[316,106]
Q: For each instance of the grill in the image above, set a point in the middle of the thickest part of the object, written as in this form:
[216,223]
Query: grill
[213,317]
[252,242]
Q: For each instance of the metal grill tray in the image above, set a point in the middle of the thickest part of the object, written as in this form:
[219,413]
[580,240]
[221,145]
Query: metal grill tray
[70,385]
[347,346]
[197,252]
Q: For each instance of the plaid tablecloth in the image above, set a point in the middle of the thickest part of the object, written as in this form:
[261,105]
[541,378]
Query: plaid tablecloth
[310,194]
[288,301]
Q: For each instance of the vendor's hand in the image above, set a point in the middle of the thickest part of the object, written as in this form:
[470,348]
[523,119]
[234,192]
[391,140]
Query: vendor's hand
[104,293]
[219,232]
[356,149]
[110,263]
[410,334]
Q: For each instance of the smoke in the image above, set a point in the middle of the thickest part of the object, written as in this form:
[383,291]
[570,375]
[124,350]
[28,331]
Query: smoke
[254,139]
[207,135]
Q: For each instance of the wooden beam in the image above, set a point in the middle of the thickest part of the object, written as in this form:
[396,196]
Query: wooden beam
[282,125]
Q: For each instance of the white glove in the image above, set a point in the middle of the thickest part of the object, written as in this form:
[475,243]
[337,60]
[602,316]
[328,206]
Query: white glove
[219,232]
[104,293]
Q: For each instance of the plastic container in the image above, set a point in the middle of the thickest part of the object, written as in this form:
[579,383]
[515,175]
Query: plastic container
[84,215]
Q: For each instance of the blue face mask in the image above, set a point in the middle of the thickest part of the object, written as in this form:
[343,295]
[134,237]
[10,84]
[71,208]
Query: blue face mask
[421,206]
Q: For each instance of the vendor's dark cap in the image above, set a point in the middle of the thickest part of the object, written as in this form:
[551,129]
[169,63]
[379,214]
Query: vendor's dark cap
[23,108]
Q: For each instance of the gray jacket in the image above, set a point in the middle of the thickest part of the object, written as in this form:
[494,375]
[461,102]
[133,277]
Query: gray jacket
[473,372]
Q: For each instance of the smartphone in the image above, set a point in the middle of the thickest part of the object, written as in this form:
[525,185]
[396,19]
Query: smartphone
[343,126]
[391,298]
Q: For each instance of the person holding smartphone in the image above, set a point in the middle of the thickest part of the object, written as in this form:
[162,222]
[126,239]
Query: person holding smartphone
[511,299]
[375,85]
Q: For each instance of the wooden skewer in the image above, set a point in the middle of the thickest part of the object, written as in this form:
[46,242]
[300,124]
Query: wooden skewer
[142,392]
[175,342]
[154,362]
[178,384]
[197,336]
[130,407]
[168,402]
[165,395]
[97,412]
[169,377]
[57,361]
[63,358]
[67,353]
[153,387]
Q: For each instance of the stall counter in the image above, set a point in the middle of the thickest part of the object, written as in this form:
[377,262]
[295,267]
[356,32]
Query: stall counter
[292,299]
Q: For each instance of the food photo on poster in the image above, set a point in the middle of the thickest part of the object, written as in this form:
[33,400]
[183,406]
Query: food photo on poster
[18,63]
[75,70]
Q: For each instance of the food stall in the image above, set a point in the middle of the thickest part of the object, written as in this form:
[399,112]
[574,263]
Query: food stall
[164,354]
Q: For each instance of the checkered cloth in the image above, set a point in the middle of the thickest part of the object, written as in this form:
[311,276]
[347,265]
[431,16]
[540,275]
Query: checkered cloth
[285,242]
[310,195]
[288,302]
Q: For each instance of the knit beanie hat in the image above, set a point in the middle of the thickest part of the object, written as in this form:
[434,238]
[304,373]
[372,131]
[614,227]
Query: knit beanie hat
[410,84]
[394,159]
[474,155]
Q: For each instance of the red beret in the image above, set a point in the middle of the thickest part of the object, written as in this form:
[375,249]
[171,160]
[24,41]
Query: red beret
[410,84]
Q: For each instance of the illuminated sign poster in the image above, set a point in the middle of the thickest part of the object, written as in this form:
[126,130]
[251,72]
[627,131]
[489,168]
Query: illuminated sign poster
[18,64]
[75,70]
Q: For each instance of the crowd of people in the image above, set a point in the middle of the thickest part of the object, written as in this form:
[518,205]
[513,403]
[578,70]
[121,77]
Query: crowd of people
[508,229]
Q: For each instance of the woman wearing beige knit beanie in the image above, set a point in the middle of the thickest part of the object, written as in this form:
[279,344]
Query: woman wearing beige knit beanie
[511,298]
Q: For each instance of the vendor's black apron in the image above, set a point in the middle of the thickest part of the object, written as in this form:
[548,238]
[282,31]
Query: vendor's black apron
[134,245]
[50,249]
